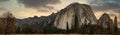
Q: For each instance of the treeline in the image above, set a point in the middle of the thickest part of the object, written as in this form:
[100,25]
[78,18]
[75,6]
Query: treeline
[84,29]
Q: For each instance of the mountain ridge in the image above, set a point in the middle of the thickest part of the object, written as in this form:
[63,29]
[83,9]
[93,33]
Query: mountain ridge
[75,18]
[81,11]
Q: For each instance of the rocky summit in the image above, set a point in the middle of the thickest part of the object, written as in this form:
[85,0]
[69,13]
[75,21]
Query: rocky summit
[74,19]
[75,15]
[105,20]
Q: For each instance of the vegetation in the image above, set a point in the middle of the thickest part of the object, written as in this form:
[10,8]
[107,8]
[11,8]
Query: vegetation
[85,29]
[7,27]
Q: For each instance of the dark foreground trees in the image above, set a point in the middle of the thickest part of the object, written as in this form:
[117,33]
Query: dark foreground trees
[7,24]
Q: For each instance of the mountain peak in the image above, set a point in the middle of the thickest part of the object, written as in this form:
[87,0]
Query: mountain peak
[78,4]
[74,14]
[106,15]
[75,3]
[105,21]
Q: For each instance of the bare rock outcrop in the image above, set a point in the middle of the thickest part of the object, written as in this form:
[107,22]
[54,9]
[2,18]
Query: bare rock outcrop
[75,15]
[105,21]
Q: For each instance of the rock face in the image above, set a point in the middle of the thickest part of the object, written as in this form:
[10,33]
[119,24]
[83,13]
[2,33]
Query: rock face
[105,21]
[107,24]
[36,21]
[75,15]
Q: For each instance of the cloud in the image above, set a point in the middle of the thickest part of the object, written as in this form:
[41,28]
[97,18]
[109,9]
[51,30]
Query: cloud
[112,7]
[3,0]
[105,4]
[38,4]
[3,9]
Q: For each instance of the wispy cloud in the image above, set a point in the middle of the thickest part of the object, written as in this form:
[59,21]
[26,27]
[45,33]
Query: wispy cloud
[109,6]
[3,0]
[38,4]
[105,4]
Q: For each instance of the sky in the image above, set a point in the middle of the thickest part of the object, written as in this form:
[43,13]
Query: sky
[29,8]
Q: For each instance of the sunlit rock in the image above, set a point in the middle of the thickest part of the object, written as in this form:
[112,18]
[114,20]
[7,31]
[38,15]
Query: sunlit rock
[81,12]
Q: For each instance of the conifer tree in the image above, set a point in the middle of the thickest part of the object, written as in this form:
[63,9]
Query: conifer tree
[115,24]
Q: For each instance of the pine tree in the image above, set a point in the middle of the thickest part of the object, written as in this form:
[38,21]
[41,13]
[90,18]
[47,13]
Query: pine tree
[115,24]
[10,23]
[67,27]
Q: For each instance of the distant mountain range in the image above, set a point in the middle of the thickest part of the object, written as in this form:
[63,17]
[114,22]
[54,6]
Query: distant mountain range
[75,18]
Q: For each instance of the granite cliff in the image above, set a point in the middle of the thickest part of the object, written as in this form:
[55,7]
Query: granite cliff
[75,14]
